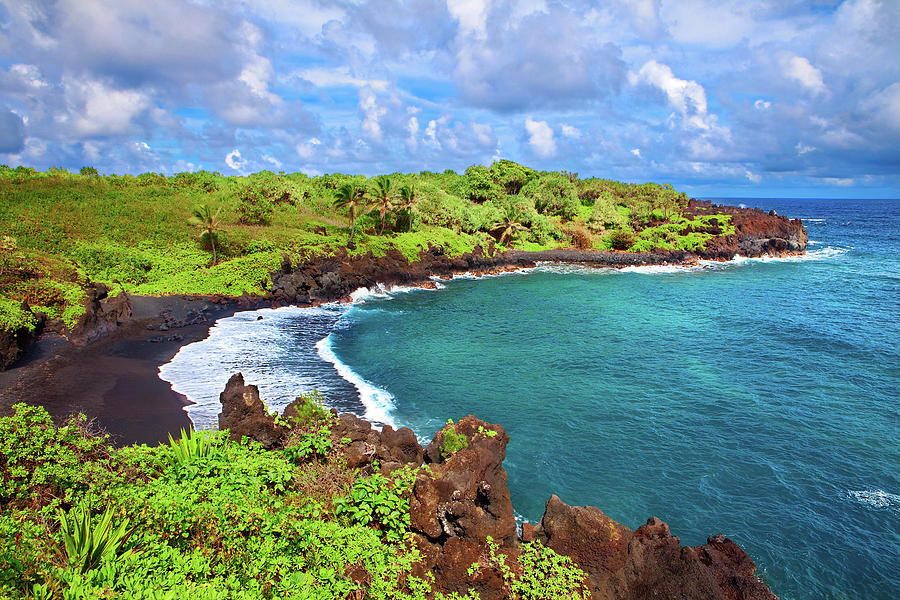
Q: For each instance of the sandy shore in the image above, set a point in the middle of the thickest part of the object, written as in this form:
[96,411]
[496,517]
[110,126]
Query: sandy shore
[114,380]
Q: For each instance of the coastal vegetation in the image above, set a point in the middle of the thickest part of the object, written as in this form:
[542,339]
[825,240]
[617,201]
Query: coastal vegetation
[206,517]
[62,231]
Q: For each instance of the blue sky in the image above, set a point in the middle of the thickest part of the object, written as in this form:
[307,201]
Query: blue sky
[744,98]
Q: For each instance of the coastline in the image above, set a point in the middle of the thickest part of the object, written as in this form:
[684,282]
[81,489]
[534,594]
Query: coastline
[115,379]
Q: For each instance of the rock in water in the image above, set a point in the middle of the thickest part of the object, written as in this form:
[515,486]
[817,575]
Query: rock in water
[648,563]
[244,414]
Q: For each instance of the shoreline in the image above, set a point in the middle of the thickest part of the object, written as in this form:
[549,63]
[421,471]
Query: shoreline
[115,379]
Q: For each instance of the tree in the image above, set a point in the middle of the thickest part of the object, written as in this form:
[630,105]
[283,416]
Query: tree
[406,202]
[383,197]
[508,226]
[352,197]
[208,222]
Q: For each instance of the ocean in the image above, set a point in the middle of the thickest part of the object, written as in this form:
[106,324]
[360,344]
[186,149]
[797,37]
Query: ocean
[757,398]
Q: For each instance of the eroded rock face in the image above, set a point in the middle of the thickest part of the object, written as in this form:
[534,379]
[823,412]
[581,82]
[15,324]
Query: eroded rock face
[102,315]
[647,563]
[244,414]
[465,495]
[461,500]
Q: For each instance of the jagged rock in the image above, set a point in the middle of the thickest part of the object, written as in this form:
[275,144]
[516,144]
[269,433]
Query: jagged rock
[460,501]
[102,315]
[584,533]
[649,562]
[244,414]
[465,495]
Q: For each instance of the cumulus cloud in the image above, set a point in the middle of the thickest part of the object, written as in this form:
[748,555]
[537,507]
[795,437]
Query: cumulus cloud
[570,132]
[688,97]
[98,109]
[542,59]
[540,137]
[799,69]
[233,159]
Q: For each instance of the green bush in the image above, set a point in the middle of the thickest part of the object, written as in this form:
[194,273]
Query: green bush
[381,502]
[452,442]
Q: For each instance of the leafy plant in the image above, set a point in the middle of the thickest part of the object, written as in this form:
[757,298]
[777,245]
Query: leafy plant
[453,442]
[192,445]
[380,501]
[307,445]
[546,575]
[86,543]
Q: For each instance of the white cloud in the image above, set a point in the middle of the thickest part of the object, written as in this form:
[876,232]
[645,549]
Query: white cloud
[483,133]
[704,23]
[412,128]
[472,16]
[540,137]
[753,177]
[272,161]
[803,148]
[233,159]
[636,152]
[685,96]
[96,109]
[802,71]
[308,149]
[570,132]
[762,104]
[339,77]
[372,113]
[839,181]
[30,75]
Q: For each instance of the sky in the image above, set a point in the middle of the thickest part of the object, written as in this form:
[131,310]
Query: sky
[748,98]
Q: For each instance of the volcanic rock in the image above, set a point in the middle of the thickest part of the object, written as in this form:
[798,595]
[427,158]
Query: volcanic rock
[244,414]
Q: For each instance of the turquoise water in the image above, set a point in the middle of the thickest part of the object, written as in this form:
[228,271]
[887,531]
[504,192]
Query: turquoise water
[754,398]
[758,398]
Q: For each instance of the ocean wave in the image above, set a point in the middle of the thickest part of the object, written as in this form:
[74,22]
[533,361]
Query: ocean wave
[814,255]
[876,498]
[259,344]
[660,269]
[378,402]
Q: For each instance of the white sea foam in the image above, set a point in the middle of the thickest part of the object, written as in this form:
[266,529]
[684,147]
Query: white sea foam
[378,402]
[876,498]
[261,349]
[660,269]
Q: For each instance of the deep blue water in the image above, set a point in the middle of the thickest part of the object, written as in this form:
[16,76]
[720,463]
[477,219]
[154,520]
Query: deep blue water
[754,398]
[757,399]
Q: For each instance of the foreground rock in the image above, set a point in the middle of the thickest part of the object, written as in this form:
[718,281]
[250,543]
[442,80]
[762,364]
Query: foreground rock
[244,414]
[648,563]
[14,343]
[461,499]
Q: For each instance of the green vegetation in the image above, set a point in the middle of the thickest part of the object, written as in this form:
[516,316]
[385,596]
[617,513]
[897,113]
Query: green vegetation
[205,517]
[453,441]
[62,231]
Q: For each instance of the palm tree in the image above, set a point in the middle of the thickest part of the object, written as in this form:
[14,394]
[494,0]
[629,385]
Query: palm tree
[406,201]
[208,222]
[383,197]
[508,226]
[351,196]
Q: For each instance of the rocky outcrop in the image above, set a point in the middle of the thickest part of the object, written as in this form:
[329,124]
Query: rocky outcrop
[647,563]
[391,449]
[244,414]
[461,500]
[102,315]
[756,232]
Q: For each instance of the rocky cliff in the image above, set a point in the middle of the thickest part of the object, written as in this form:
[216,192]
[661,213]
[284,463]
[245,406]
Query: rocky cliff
[462,499]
